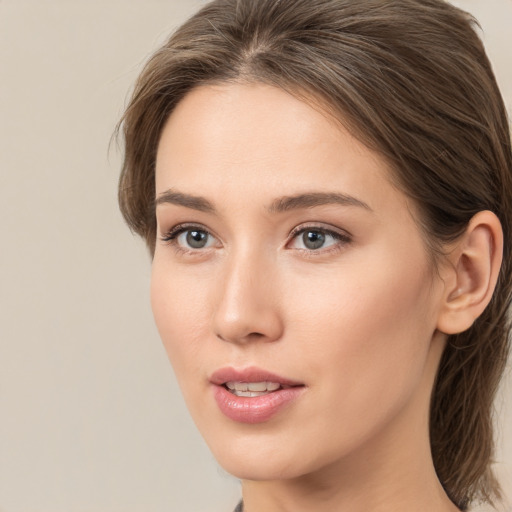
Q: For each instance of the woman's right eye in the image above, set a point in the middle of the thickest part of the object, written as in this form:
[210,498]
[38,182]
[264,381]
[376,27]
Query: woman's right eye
[190,238]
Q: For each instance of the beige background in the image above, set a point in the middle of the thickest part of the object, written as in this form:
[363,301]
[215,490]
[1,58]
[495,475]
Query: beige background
[90,416]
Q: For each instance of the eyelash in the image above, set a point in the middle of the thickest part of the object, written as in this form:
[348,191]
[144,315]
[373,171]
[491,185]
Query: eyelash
[342,239]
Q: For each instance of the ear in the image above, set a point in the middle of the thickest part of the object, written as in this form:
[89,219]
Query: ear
[472,272]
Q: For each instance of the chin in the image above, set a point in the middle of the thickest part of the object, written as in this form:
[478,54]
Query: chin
[253,457]
[260,458]
[259,470]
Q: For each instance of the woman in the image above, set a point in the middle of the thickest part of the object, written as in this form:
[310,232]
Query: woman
[325,187]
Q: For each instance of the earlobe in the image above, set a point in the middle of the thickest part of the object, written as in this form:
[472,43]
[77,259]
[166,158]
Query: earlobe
[474,267]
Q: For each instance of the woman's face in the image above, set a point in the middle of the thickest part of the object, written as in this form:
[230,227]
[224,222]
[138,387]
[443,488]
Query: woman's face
[290,285]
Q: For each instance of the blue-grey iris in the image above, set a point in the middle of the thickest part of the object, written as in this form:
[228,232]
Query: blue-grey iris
[313,239]
[197,239]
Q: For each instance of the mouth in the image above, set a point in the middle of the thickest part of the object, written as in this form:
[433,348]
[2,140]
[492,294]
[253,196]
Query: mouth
[253,389]
[253,395]
[251,380]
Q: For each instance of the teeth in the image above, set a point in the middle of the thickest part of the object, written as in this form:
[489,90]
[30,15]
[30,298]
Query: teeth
[252,388]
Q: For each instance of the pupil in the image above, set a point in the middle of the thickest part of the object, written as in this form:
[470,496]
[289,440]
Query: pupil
[313,239]
[196,239]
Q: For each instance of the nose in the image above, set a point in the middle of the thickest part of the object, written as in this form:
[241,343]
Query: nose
[247,304]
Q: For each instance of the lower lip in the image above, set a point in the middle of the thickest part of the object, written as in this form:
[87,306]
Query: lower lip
[258,409]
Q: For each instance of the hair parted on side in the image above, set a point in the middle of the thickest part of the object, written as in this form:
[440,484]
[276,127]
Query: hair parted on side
[411,80]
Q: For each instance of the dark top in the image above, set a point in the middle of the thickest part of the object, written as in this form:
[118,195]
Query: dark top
[239,507]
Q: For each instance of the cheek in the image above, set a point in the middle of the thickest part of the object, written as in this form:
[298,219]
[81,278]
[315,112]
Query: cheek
[368,330]
[178,308]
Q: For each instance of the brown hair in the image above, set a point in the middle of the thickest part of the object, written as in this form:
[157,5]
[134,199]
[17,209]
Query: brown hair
[410,78]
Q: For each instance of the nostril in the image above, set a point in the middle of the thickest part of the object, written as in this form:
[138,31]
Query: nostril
[252,336]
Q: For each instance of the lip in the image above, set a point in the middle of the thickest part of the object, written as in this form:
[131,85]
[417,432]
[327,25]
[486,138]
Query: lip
[253,409]
[250,374]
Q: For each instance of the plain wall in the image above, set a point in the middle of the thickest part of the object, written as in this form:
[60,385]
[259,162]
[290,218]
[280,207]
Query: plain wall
[91,419]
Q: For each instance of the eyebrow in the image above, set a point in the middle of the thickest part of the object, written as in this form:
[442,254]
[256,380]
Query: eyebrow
[312,199]
[279,205]
[187,200]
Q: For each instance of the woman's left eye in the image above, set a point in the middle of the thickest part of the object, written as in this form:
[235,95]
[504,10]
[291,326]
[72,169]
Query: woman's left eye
[314,239]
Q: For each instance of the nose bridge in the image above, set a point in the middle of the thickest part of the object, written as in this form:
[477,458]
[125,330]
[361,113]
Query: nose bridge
[247,303]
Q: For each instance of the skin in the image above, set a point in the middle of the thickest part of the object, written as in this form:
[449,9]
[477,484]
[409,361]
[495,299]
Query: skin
[356,321]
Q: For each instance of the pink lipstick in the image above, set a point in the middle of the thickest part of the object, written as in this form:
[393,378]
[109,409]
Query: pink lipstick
[252,395]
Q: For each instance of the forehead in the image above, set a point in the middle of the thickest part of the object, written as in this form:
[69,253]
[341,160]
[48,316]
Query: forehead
[266,119]
[254,142]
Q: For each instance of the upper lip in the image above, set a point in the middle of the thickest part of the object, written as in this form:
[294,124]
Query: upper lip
[250,374]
